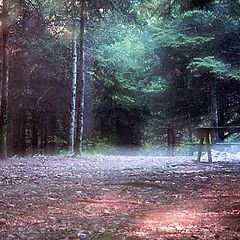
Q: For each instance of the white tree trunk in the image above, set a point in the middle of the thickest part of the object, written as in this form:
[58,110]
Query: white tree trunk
[81,87]
[74,88]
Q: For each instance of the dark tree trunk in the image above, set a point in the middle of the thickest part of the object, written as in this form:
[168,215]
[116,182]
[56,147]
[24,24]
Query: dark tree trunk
[45,139]
[4,81]
[81,84]
[34,139]
[42,138]
[88,112]
[52,132]
[214,109]
[19,138]
[217,110]
[43,135]
[222,102]
[22,132]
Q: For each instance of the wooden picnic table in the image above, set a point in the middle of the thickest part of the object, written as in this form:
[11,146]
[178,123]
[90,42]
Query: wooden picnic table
[204,135]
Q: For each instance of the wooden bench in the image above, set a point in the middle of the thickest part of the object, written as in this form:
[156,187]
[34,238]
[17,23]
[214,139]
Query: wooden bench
[204,135]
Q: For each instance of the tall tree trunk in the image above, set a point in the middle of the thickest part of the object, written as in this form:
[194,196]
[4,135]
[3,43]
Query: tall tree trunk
[1,61]
[22,131]
[89,120]
[19,132]
[45,138]
[215,109]
[81,85]
[74,88]
[42,136]
[52,131]
[34,139]
[222,102]
[4,81]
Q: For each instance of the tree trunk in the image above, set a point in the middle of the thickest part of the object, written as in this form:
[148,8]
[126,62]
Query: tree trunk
[74,89]
[222,103]
[45,137]
[81,85]
[42,137]
[34,139]
[215,109]
[89,120]
[4,81]
[19,132]
[22,132]
[53,129]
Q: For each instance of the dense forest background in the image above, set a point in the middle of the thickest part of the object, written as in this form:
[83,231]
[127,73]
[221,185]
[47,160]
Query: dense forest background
[137,65]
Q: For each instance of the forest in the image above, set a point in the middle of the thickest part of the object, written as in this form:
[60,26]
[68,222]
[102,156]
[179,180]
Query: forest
[103,104]
[76,74]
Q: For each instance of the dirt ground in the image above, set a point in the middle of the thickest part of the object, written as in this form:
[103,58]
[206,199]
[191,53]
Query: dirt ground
[119,197]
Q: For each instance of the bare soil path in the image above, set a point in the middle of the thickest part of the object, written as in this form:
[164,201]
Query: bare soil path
[114,197]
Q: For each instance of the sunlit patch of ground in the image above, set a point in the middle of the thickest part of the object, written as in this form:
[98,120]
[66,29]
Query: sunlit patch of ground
[176,222]
[213,213]
[186,223]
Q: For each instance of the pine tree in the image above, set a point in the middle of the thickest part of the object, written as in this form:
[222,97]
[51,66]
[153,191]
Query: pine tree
[4,79]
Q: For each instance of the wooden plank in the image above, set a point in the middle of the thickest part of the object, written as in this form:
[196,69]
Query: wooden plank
[227,144]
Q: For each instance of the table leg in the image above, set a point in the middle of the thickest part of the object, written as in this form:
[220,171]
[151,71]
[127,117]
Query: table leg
[208,149]
[200,147]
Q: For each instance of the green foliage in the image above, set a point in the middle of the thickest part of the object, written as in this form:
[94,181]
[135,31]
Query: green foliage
[209,64]
[171,37]
[196,43]
[151,64]
[235,74]
[100,145]
[125,47]
[171,57]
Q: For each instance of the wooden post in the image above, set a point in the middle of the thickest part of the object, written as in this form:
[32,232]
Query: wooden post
[208,149]
[200,147]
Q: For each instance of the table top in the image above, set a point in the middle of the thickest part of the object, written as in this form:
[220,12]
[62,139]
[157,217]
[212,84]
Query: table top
[230,128]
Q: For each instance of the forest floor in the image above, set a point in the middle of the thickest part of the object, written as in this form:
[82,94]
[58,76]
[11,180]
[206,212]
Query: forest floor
[119,197]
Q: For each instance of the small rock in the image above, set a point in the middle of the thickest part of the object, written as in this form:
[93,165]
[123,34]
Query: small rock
[107,212]
[81,235]
[53,218]
[102,230]
[39,221]
[10,205]
[79,193]
[11,236]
